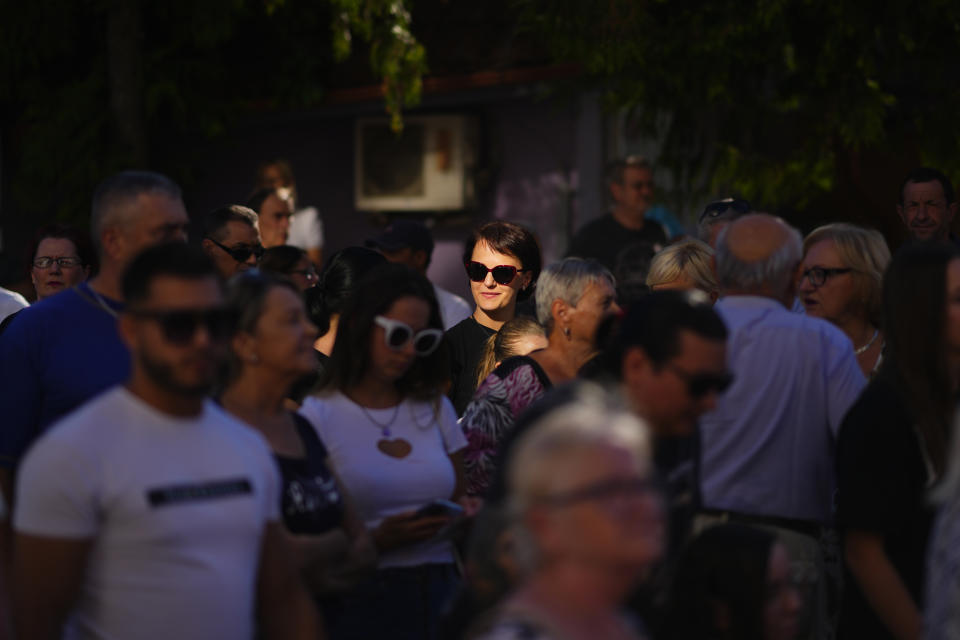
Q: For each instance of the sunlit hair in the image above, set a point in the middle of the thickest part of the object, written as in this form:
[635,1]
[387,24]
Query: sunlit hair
[512,240]
[567,280]
[506,343]
[555,444]
[427,377]
[115,200]
[246,298]
[775,272]
[690,258]
[866,252]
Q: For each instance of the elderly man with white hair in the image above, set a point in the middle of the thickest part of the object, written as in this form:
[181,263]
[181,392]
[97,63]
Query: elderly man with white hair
[767,449]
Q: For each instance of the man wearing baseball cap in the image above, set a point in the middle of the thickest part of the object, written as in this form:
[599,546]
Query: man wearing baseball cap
[410,242]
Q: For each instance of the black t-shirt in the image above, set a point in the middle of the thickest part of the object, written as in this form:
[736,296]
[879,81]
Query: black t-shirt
[604,239]
[881,487]
[311,502]
[466,340]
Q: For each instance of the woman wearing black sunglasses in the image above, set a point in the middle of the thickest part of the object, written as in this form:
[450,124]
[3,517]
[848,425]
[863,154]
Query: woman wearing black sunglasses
[573,297]
[271,349]
[502,261]
[394,440]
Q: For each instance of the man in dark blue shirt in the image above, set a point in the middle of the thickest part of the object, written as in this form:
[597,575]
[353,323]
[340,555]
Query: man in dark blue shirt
[65,349]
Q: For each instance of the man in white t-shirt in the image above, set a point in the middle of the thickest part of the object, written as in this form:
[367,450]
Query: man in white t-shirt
[410,242]
[149,512]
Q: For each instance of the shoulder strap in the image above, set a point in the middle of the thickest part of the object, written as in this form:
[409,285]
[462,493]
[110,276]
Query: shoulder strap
[311,441]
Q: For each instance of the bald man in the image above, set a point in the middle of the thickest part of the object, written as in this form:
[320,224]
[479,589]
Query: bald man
[767,449]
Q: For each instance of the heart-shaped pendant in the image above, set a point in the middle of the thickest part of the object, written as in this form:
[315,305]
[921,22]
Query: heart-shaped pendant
[397,448]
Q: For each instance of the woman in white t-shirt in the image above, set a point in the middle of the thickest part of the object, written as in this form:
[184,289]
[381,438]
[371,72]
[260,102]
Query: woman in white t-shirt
[393,439]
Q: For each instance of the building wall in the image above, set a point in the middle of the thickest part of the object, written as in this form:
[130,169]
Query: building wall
[528,171]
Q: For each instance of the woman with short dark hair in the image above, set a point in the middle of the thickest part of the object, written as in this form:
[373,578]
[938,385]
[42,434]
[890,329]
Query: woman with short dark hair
[502,261]
[573,297]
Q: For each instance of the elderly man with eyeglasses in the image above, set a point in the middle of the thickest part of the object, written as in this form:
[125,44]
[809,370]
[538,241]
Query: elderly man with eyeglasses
[767,449]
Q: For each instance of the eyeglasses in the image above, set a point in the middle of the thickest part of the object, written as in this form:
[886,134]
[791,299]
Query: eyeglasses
[398,335]
[819,275]
[717,209]
[502,274]
[64,263]
[700,384]
[242,253]
[180,326]
[608,490]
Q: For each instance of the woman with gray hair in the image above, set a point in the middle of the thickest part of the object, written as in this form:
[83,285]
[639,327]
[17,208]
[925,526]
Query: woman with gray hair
[572,296]
[587,523]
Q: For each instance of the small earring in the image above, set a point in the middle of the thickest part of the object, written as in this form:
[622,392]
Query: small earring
[566,332]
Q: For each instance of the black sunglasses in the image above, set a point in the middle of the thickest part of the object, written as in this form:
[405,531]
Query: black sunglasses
[180,327]
[700,384]
[717,209]
[502,274]
[819,275]
[241,254]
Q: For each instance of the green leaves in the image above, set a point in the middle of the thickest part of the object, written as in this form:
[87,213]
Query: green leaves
[395,54]
[772,90]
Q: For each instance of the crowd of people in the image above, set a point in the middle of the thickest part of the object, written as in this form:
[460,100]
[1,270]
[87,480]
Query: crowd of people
[740,435]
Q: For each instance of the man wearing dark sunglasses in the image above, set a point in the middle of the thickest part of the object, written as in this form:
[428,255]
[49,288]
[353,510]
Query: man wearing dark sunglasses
[670,356]
[410,242]
[231,239]
[630,181]
[150,503]
[767,449]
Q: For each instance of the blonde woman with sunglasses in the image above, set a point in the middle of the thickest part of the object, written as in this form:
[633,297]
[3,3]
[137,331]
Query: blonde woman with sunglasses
[393,439]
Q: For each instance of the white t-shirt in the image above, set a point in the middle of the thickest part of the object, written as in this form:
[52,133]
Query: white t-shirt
[306,229]
[176,508]
[381,485]
[453,308]
[11,302]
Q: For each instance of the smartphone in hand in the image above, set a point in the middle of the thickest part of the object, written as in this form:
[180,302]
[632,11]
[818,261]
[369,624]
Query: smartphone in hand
[439,507]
